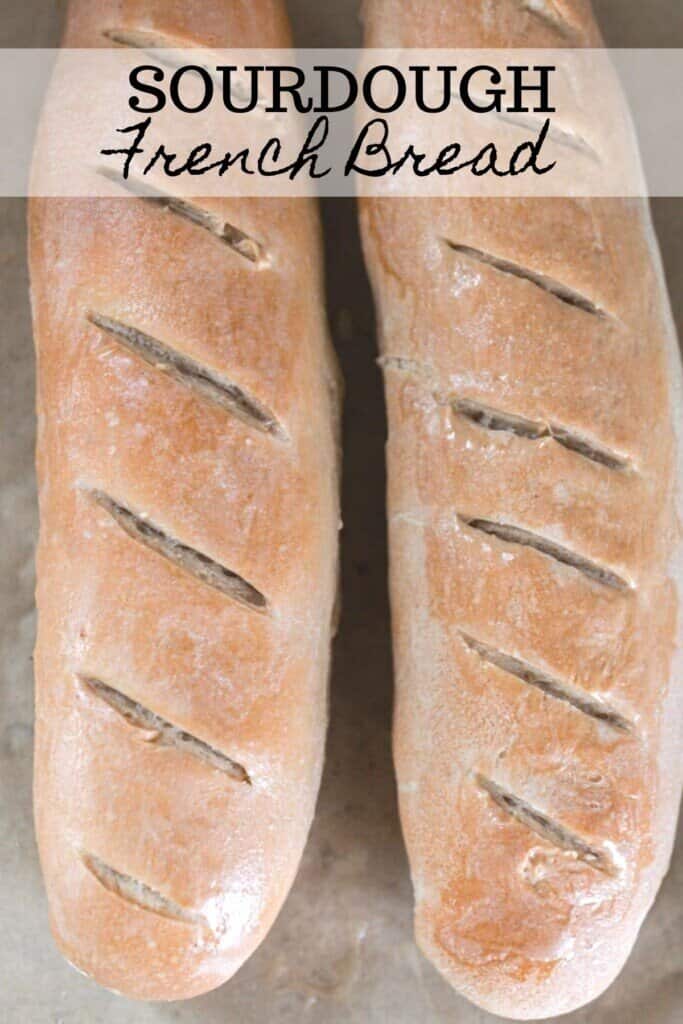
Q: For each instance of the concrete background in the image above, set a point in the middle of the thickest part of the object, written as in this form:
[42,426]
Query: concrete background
[342,949]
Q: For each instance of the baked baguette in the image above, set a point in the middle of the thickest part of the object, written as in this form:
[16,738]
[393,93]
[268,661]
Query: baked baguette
[534,402]
[187,406]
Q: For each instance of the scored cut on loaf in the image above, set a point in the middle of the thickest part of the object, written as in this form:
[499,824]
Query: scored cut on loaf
[188,481]
[533,389]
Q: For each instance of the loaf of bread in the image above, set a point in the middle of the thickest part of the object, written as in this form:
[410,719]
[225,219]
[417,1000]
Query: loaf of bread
[187,407]
[534,401]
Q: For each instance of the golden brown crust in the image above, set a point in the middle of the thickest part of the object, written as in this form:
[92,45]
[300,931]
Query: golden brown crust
[480,23]
[163,871]
[239,23]
[532,468]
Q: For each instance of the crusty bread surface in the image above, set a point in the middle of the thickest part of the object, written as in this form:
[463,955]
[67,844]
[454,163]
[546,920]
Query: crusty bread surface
[187,405]
[534,401]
